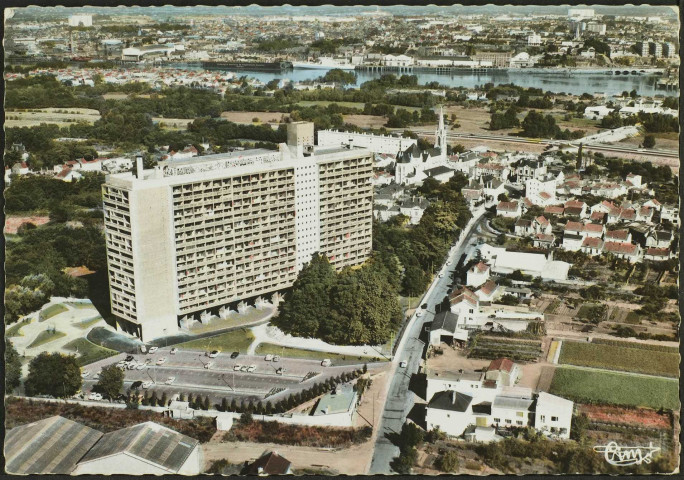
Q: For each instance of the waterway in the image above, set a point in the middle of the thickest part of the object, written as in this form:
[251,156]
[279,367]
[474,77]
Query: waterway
[575,83]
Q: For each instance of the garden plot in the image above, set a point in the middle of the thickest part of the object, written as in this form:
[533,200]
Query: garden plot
[627,357]
[517,349]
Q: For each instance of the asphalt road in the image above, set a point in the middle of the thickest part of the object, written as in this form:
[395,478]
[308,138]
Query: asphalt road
[400,399]
[221,380]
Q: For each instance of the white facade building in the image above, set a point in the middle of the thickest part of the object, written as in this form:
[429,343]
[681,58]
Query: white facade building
[374,143]
[199,234]
[81,20]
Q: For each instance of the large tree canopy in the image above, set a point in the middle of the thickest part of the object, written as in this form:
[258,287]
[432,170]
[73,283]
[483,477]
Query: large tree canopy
[53,374]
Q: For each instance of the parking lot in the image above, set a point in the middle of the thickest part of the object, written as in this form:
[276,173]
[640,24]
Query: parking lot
[221,379]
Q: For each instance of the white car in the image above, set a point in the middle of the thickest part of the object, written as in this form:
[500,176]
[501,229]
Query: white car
[153,349]
[244,368]
[268,357]
[170,380]
[147,384]
[326,362]
[85,374]
[251,368]
[213,354]
[173,351]
[141,366]
[403,364]
[95,396]
[448,262]
[120,364]
[161,361]
[237,367]
[441,275]
[276,358]
[419,313]
[208,365]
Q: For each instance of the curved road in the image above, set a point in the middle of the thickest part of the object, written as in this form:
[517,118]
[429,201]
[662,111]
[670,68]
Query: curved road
[399,399]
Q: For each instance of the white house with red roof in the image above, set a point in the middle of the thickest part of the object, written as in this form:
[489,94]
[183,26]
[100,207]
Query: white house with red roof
[509,209]
[489,291]
[504,371]
[625,250]
[477,274]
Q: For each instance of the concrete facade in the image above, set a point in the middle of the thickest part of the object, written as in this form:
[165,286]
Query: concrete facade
[198,234]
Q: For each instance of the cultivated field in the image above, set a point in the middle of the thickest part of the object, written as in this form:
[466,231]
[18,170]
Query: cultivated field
[628,358]
[59,116]
[517,349]
[248,117]
[365,121]
[615,388]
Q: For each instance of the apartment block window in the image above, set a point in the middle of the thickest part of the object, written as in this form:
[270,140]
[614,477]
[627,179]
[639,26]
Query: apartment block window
[520,414]
[518,422]
[542,418]
[554,419]
[508,421]
[497,420]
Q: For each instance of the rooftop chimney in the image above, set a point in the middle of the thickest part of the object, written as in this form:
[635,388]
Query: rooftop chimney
[139,167]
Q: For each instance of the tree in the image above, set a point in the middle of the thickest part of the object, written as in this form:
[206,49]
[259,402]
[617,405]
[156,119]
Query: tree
[224,404]
[502,197]
[12,367]
[111,381]
[448,462]
[649,141]
[53,374]
[205,404]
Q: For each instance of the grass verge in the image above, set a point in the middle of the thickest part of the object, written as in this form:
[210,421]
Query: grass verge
[89,322]
[45,337]
[88,352]
[288,352]
[15,330]
[51,311]
[237,340]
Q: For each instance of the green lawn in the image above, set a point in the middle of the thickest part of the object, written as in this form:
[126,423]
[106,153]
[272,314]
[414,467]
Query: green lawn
[51,311]
[83,305]
[628,358]
[45,337]
[288,352]
[89,322]
[615,388]
[88,352]
[237,340]
[15,330]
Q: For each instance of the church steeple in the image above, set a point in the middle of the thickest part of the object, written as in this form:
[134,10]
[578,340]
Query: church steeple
[440,135]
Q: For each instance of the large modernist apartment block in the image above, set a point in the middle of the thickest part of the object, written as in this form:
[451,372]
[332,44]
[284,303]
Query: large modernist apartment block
[197,234]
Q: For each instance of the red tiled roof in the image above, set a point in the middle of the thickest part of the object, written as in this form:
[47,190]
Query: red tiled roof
[545,195]
[573,210]
[544,237]
[504,364]
[592,227]
[463,294]
[541,219]
[628,213]
[592,242]
[270,464]
[618,234]
[645,210]
[554,210]
[620,247]
[574,227]
[574,203]
[488,287]
[598,216]
[658,252]
[507,206]
[481,267]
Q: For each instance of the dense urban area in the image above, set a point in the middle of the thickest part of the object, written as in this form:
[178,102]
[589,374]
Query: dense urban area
[325,240]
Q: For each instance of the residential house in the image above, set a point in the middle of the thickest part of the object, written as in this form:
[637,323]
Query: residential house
[541,225]
[440,173]
[477,274]
[541,191]
[659,239]
[592,246]
[543,240]
[492,187]
[509,209]
[270,463]
[625,250]
[621,235]
[597,112]
[414,209]
[553,415]
[473,192]
[575,208]
[488,292]
[504,371]
[524,228]
[670,213]
[658,254]
[554,210]
[444,329]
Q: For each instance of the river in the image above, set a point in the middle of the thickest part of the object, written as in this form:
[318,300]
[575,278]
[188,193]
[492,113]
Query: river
[575,83]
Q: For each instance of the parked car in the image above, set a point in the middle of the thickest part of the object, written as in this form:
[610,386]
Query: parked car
[143,348]
[131,366]
[147,384]
[173,351]
[403,364]
[141,366]
[153,349]
[280,371]
[326,362]
[237,367]
[424,306]
[129,358]
[85,374]
[234,355]
[208,365]
[276,358]
[213,354]
[161,361]
[268,357]
[170,380]
[419,313]
[441,275]
[251,368]
[136,384]
[244,368]
[120,364]
[95,396]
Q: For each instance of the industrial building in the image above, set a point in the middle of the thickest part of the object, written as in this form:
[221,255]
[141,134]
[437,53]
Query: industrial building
[195,235]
